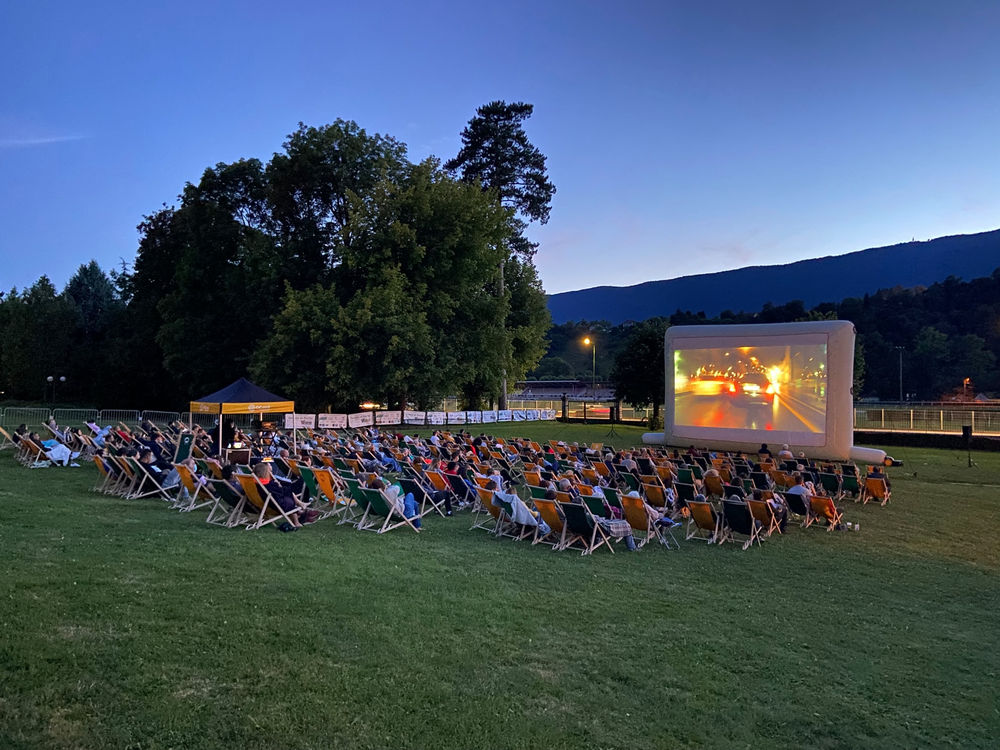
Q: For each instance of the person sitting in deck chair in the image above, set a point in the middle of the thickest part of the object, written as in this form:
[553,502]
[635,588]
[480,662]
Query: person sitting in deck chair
[778,507]
[877,473]
[296,510]
[406,503]
[56,451]
[523,515]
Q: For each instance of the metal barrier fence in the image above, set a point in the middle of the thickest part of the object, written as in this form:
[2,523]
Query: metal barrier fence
[74,416]
[14,416]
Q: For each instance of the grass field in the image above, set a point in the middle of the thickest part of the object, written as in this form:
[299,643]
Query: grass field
[124,624]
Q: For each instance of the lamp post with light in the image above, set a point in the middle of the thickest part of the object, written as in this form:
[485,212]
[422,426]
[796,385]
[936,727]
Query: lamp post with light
[593,373]
[52,380]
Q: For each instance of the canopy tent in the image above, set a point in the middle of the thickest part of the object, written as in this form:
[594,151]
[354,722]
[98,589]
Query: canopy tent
[240,397]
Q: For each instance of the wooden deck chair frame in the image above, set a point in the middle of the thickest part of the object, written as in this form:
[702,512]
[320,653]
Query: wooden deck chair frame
[422,496]
[195,490]
[703,523]
[381,507]
[548,510]
[228,509]
[641,521]
[727,531]
[7,441]
[146,484]
[488,516]
[824,507]
[763,512]
[798,505]
[260,504]
[582,527]
[875,487]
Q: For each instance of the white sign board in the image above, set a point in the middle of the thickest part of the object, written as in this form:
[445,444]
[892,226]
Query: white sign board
[547,414]
[414,417]
[474,417]
[520,415]
[504,415]
[489,417]
[360,419]
[331,421]
[388,417]
[300,421]
[436,417]
[456,417]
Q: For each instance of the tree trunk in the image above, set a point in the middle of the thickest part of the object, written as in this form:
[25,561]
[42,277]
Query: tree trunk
[502,401]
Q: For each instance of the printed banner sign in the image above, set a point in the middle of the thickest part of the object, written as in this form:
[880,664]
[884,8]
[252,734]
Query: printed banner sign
[436,417]
[388,417]
[547,414]
[300,421]
[504,415]
[520,415]
[474,417]
[456,417]
[489,417]
[331,421]
[360,419]
[413,417]
[531,415]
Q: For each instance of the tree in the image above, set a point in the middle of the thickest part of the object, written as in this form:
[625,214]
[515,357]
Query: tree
[497,155]
[638,373]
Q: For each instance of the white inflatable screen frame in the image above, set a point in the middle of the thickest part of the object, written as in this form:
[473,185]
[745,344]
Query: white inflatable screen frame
[837,443]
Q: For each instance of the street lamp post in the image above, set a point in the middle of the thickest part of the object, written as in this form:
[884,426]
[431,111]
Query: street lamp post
[900,350]
[52,380]
[593,373]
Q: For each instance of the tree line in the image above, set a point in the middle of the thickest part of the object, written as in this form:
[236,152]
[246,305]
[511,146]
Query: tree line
[946,335]
[335,273]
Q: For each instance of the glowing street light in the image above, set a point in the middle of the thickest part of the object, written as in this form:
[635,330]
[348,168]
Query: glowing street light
[593,375]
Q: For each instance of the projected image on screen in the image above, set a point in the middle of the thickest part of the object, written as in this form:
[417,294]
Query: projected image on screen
[780,388]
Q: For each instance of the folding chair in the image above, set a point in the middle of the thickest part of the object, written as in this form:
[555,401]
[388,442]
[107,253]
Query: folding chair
[799,505]
[640,520]
[830,484]
[489,517]
[194,489]
[6,441]
[147,485]
[849,485]
[655,495]
[323,488]
[381,507]
[737,519]
[764,513]
[548,510]
[582,528]
[228,507]
[823,507]
[703,523]
[183,450]
[875,487]
[264,509]
[714,486]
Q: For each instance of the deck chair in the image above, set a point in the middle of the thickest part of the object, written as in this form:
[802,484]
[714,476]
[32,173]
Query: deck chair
[195,490]
[613,498]
[582,528]
[260,504]
[714,486]
[830,484]
[324,491]
[728,490]
[764,513]
[596,506]
[147,484]
[877,489]
[850,485]
[643,526]
[685,493]
[421,495]
[630,480]
[738,520]
[760,480]
[798,505]
[6,441]
[381,507]
[655,495]
[548,510]
[183,450]
[823,507]
[228,507]
[488,517]
[516,531]
[704,522]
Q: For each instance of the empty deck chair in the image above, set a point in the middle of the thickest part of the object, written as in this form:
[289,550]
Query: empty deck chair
[823,507]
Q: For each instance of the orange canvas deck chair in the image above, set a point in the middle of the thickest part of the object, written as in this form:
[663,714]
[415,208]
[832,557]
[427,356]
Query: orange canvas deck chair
[823,507]
[642,523]
[194,489]
[714,486]
[6,441]
[263,508]
[655,495]
[489,517]
[703,523]
[876,489]
[549,512]
[763,512]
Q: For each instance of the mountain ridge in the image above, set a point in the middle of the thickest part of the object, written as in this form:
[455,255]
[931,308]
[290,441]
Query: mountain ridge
[830,278]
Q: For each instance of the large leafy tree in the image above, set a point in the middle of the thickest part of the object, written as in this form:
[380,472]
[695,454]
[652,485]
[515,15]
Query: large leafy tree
[497,155]
[638,373]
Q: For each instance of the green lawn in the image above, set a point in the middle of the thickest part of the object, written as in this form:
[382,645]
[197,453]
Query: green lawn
[126,624]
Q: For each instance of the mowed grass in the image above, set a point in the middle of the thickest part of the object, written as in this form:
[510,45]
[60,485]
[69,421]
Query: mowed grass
[126,624]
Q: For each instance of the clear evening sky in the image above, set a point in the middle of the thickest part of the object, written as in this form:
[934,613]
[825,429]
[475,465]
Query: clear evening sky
[683,137]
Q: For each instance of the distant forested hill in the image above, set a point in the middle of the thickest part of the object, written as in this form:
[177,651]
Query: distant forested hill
[812,281]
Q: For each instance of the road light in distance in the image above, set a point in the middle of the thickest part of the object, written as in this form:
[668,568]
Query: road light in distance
[593,373]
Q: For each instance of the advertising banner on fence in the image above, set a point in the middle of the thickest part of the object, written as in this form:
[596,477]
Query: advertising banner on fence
[331,421]
[547,414]
[388,417]
[413,417]
[489,417]
[360,419]
[300,421]
[473,417]
[520,415]
[436,417]
[531,415]
[456,417]
[504,415]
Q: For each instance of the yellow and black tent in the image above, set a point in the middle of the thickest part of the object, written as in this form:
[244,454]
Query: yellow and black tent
[241,397]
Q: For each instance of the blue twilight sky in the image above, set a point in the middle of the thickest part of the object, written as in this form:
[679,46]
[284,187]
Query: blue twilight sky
[683,137]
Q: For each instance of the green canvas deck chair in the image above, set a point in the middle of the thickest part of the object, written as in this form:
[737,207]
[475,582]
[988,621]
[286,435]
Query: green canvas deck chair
[798,505]
[596,506]
[764,513]
[738,521]
[183,447]
[195,491]
[703,523]
[849,485]
[685,474]
[382,514]
[548,510]
[823,507]
[614,498]
[631,480]
[644,529]
[260,506]
[356,509]
[421,495]
[509,527]
[146,485]
[685,493]
[228,507]
[536,492]
[830,484]
[583,530]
